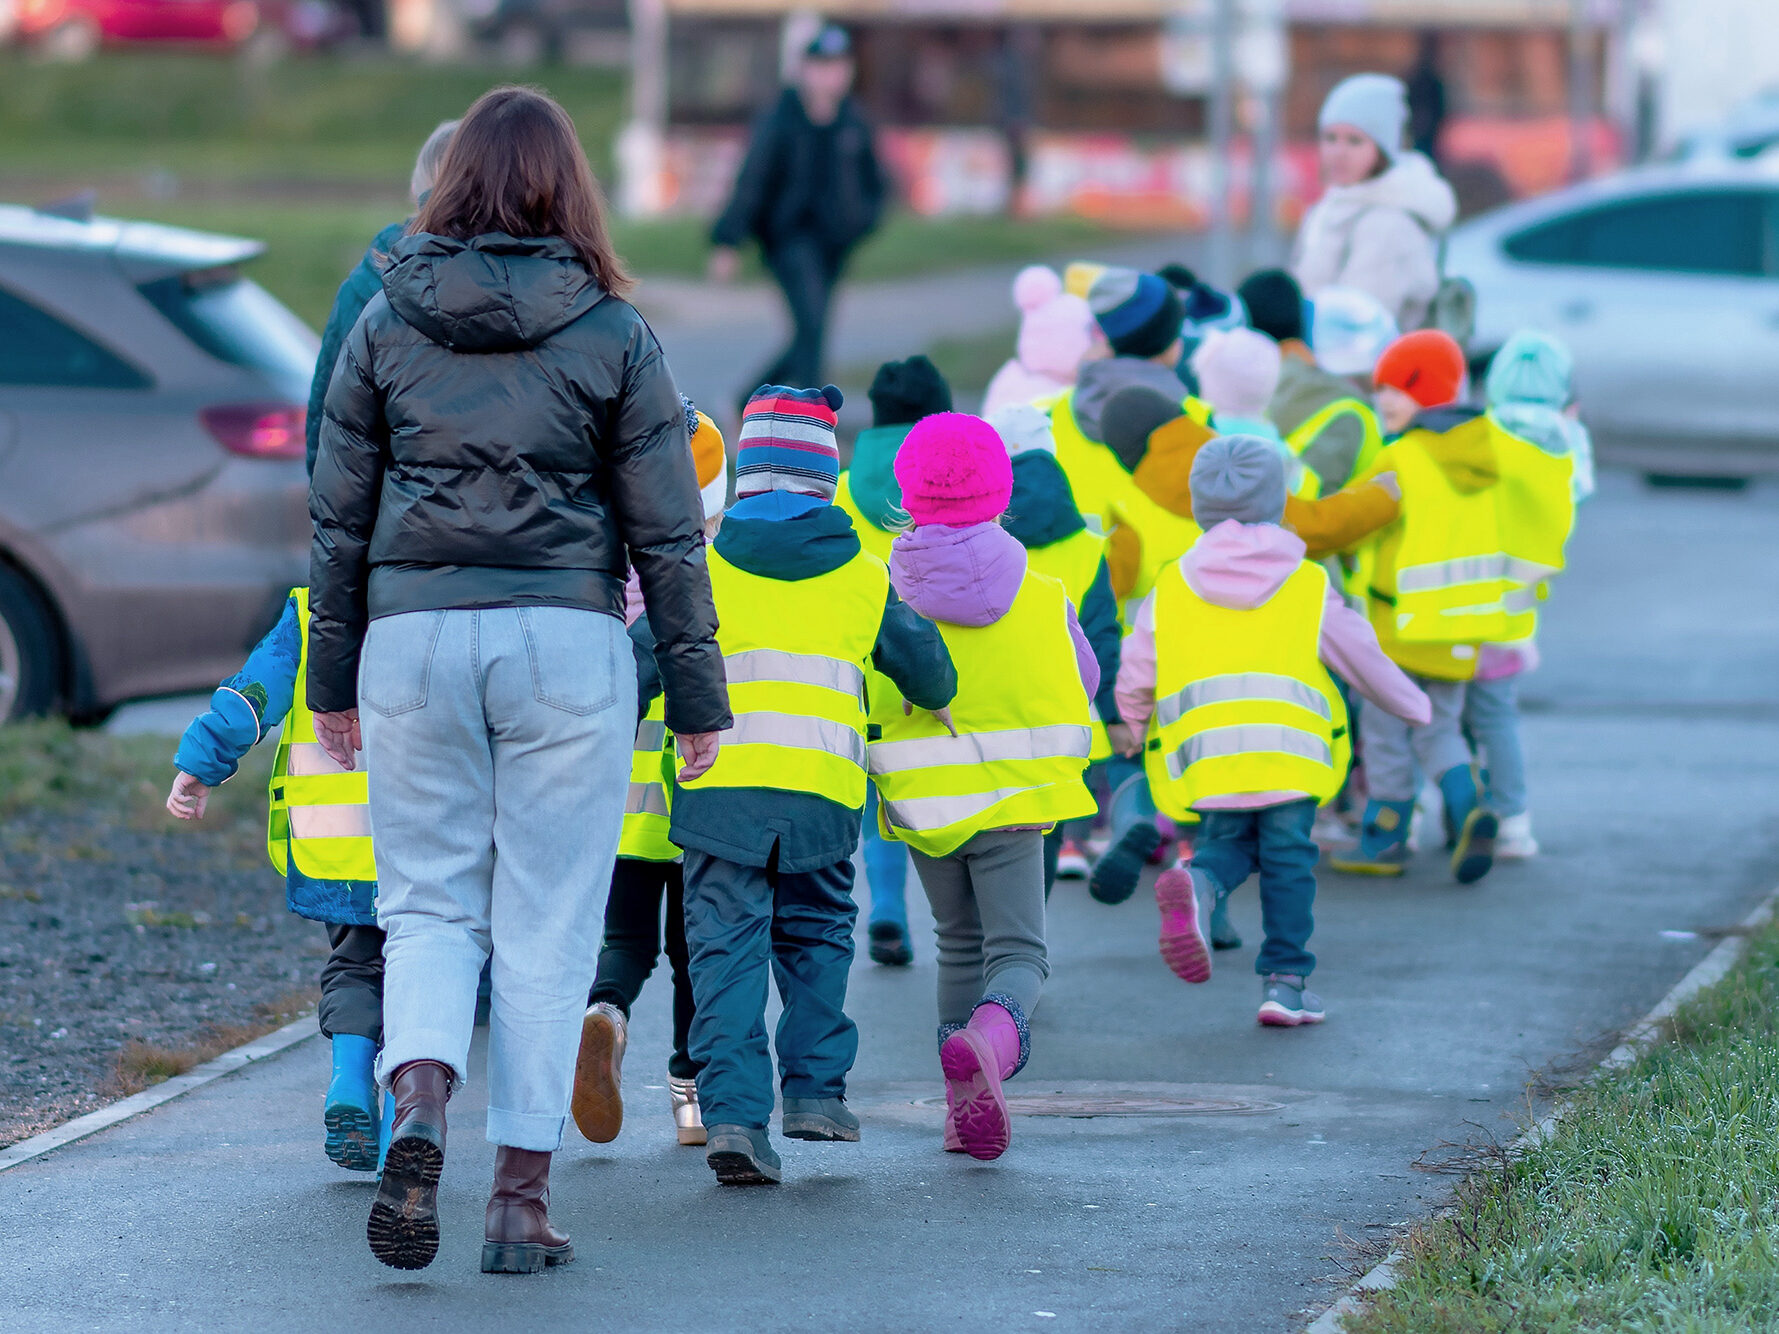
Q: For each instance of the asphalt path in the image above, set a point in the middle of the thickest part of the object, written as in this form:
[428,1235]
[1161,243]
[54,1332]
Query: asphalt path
[1250,1168]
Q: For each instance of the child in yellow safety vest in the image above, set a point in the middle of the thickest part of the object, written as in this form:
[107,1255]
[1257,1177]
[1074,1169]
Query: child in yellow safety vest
[1484,518]
[648,886]
[1226,674]
[319,838]
[973,795]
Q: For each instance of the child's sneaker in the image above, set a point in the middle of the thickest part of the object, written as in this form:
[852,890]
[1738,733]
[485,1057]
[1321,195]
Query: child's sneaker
[598,1101]
[1286,1002]
[688,1119]
[1183,943]
[1474,825]
[350,1113]
[1115,878]
[1071,862]
[1383,846]
[1514,842]
[1223,935]
[1330,832]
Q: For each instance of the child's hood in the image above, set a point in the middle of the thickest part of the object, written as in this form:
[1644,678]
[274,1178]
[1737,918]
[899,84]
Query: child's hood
[1099,380]
[779,535]
[1458,440]
[1241,565]
[1165,473]
[1042,511]
[967,576]
[871,476]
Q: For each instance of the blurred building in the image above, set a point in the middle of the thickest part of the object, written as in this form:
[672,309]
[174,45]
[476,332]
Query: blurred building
[1102,107]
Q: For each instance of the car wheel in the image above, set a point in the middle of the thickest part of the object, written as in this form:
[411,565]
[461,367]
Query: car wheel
[30,652]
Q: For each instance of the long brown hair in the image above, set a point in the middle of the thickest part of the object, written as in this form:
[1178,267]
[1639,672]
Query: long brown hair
[515,165]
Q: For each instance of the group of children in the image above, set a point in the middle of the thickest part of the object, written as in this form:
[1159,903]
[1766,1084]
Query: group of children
[1204,550]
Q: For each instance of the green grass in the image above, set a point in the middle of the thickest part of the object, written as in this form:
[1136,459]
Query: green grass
[1653,1207]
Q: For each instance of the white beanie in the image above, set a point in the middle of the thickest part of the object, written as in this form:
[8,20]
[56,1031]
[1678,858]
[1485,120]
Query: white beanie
[1349,330]
[1237,371]
[1375,104]
[1024,428]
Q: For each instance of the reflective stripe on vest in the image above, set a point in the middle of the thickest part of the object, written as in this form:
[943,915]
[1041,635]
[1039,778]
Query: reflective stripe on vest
[1244,704]
[1022,743]
[648,802]
[319,815]
[795,651]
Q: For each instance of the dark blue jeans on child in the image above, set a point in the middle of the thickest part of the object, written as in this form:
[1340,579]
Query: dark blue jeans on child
[1275,841]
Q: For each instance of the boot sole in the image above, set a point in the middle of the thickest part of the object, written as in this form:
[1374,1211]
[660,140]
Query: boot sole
[403,1230]
[1119,872]
[523,1257]
[1366,868]
[351,1137]
[736,1167]
[1183,946]
[692,1136]
[598,1102]
[1474,855]
[819,1128]
[984,1127]
[1274,1015]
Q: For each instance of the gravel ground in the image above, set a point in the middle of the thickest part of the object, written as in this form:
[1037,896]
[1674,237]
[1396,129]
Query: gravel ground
[116,924]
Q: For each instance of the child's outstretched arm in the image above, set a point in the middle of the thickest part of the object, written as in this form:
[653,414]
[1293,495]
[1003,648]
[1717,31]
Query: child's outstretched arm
[244,708]
[1136,677]
[1350,647]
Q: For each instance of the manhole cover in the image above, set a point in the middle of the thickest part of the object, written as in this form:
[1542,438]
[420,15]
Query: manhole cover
[1126,1102]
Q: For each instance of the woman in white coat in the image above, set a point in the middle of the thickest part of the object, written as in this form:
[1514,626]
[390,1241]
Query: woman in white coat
[1378,224]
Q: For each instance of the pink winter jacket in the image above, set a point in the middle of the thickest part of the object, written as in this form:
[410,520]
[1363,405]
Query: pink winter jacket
[1241,565]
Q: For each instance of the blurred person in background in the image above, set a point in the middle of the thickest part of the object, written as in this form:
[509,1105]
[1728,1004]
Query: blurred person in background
[1379,222]
[809,191]
[501,442]
[365,281]
[1426,99]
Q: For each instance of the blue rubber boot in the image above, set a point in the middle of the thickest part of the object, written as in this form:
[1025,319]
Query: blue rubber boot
[1474,825]
[385,1129]
[351,1111]
[1383,841]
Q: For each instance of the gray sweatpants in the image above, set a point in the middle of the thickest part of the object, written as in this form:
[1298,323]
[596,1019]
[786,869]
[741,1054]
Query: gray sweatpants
[988,908]
[1390,746]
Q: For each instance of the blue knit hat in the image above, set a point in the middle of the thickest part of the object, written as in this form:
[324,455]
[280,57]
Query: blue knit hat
[1139,313]
[787,442]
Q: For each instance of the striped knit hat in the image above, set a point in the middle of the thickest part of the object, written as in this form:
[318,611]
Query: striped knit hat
[787,442]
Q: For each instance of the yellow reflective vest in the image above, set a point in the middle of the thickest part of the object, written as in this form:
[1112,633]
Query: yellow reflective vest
[1103,490]
[648,805]
[320,814]
[795,652]
[1074,563]
[873,539]
[1313,425]
[1243,703]
[1022,719]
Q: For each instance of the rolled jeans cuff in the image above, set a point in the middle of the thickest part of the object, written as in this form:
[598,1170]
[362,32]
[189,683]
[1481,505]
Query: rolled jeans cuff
[525,1130]
[421,1045]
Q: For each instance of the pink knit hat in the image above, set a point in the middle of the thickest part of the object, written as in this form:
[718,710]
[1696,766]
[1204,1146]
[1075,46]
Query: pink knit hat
[1056,329]
[954,469]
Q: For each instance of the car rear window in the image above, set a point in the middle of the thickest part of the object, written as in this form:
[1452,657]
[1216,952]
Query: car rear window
[239,322]
[1719,232]
[38,349]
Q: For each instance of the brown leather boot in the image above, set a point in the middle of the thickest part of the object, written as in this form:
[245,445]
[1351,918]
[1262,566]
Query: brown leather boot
[519,1238]
[404,1225]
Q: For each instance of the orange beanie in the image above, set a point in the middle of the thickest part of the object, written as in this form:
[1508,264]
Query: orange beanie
[711,461]
[1427,365]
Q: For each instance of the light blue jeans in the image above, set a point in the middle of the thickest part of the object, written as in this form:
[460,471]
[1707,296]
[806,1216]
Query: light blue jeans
[499,750]
[1492,713]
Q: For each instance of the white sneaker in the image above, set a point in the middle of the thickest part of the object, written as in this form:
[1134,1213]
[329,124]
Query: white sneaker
[1515,841]
[1071,862]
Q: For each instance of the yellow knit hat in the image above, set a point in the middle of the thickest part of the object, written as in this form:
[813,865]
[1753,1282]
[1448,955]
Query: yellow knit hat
[1080,276]
[711,460]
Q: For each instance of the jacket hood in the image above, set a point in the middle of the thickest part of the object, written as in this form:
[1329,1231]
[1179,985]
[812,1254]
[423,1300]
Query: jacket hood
[1411,184]
[778,535]
[1165,474]
[1042,510]
[1099,380]
[1458,440]
[968,576]
[1241,565]
[872,476]
[1304,390]
[493,293]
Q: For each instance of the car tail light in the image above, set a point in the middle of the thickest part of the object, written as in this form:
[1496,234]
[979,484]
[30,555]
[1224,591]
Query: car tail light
[258,430]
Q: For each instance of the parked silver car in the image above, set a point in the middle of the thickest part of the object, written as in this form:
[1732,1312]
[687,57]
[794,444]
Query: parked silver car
[1665,283]
[152,491]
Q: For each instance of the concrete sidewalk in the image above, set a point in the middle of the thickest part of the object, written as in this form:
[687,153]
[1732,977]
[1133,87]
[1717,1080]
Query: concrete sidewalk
[1223,1204]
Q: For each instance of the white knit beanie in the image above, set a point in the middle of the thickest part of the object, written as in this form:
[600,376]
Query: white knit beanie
[1024,428]
[1376,104]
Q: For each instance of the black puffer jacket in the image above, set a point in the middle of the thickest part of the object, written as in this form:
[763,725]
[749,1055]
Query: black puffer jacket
[499,432]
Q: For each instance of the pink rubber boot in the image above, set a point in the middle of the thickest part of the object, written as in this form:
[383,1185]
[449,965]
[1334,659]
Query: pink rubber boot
[975,1060]
[1183,943]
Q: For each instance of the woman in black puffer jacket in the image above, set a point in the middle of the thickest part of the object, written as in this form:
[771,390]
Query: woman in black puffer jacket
[501,439]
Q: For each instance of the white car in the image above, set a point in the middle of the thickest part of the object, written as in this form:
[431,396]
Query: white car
[1664,282]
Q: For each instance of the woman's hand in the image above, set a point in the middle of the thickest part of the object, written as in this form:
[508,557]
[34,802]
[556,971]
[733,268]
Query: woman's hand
[697,752]
[188,798]
[339,736]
